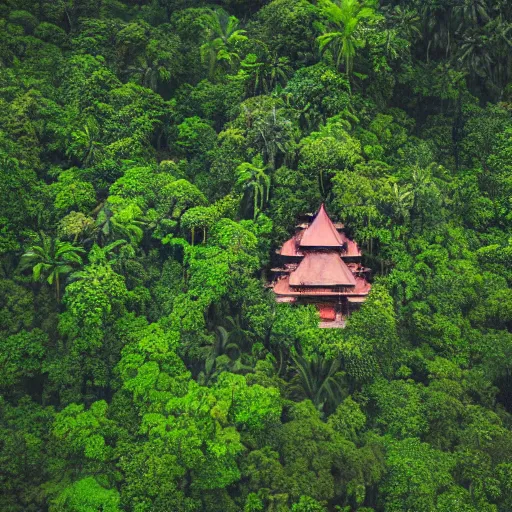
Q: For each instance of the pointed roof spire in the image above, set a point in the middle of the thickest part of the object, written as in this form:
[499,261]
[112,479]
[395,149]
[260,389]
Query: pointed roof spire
[321,232]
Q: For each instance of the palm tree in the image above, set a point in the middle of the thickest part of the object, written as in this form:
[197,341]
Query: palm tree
[403,199]
[223,38]
[500,40]
[115,255]
[437,18]
[471,13]
[474,54]
[309,117]
[51,260]
[253,69]
[237,332]
[85,145]
[344,35]
[405,21]
[106,255]
[319,380]
[269,73]
[251,176]
[222,354]
[119,224]
[223,346]
[149,72]
[274,133]
[160,63]
[278,70]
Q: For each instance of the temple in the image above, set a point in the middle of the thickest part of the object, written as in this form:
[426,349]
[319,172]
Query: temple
[320,265]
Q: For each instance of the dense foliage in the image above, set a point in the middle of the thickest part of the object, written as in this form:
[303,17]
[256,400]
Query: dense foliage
[153,155]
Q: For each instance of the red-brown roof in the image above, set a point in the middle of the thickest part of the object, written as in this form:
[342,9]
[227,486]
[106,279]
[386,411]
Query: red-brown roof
[282,288]
[322,269]
[351,247]
[321,232]
[291,248]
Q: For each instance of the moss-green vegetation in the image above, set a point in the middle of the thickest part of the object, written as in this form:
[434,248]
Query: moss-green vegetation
[153,155]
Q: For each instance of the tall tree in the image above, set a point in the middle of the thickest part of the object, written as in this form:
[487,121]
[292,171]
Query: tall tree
[52,259]
[224,37]
[342,33]
[319,380]
[251,176]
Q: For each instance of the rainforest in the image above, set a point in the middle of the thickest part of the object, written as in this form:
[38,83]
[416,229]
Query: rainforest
[154,156]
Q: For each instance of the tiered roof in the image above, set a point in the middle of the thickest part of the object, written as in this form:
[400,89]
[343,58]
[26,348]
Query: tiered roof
[322,269]
[291,248]
[361,289]
[322,233]
[317,268]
